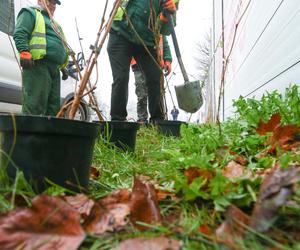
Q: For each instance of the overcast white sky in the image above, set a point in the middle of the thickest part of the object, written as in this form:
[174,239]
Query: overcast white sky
[193,21]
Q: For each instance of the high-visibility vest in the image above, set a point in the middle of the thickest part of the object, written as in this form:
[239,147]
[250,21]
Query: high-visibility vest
[37,43]
[121,10]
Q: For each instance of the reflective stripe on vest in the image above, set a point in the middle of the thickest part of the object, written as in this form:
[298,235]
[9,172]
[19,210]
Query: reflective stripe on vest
[37,43]
[121,10]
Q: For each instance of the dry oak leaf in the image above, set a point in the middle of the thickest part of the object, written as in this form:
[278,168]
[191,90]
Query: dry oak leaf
[285,137]
[158,243]
[112,218]
[49,224]
[81,203]
[109,214]
[143,204]
[270,126]
[119,196]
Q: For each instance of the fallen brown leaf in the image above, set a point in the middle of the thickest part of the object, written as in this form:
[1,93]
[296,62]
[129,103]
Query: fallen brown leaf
[94,172]
[239,158]
[81,203]
[158,243]
[49,224]
[205,229]
[233,228]
[143,204]
[284,137]
[274,192]
[277,179]
[119,196]
[109,214]
[162,195]
[234,170]
[264,128]
[112,218]
[194,172]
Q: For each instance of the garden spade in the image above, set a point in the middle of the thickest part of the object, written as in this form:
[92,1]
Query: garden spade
[189,96]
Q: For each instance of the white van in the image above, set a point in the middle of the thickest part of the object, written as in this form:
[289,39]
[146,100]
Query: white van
[10,72]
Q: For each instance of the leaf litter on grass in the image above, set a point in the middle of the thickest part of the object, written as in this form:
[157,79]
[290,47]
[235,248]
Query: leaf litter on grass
[206,190]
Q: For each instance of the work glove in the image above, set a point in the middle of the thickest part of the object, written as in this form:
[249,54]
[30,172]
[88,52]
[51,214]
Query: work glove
[168,6]
[167,67]
[65,74]
[26,60]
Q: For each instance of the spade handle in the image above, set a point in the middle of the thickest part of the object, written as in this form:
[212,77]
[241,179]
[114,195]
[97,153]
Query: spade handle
[176,46]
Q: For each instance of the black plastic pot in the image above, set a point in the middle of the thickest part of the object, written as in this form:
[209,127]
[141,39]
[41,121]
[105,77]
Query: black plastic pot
[121,134]
[53,148]
[169,128]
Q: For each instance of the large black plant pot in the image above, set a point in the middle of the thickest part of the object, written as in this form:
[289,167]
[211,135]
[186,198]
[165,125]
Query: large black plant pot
[42,147]
[120,133]
[169,128]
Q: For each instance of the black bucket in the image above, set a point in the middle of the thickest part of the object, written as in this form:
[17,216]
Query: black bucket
[46,147]
[169,128]
[120,133]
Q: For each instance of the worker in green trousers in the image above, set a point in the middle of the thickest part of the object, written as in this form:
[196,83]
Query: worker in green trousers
[39,40]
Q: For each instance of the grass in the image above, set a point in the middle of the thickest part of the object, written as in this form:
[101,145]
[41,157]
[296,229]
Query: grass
[204,201]
[117,167]
[164,159]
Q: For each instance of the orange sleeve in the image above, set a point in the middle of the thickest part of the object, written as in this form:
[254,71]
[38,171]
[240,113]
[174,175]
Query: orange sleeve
[133,62]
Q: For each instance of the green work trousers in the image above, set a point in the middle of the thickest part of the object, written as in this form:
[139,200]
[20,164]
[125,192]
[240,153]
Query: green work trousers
[41,89]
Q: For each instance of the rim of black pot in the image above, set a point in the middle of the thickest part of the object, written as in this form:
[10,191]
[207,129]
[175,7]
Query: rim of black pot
[169,122]
[47,125]
[119,124]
